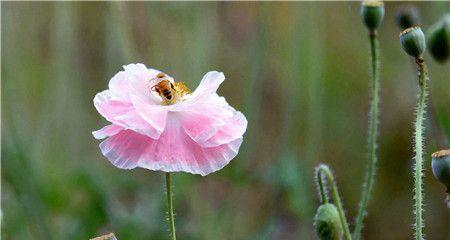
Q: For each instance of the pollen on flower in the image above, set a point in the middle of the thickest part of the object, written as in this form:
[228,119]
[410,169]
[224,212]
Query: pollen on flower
[170,92]
[181,88]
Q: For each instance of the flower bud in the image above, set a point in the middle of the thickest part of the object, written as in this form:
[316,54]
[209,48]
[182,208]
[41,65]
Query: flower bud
[440,164]
[327,223]
[439,39]
[407,17]
[413,41]
[372,13]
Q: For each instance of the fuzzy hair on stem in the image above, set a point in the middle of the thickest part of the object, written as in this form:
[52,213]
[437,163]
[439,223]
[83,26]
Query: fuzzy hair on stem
[371,137]
[322,189]
[324,169]
[418,149]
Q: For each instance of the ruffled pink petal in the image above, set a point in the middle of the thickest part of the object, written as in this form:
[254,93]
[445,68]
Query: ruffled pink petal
[119,86]
[174,151]
[107,131]
[134,80]
[110,108]
[123,114]
[140,81]
[135,122]
[200,127]
[209,85]
[233,129]
[125,148]
[155,115]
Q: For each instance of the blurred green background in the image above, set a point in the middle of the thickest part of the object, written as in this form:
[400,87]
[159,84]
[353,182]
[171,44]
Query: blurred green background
[298,71]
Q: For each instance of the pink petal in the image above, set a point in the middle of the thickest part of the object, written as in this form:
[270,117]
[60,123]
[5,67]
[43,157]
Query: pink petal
[108,107]
[209,85]
[174,151]
[125,148]
[134,80]
[233,129]
[139,77]
[135,122]
[200,127]
[123,114]
[107,131]
[155,115]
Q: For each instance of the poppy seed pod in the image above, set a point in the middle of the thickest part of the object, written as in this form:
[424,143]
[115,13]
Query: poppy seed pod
[327,223]
[439,39]
[372,13]
[413,41]
[407,17]
[440,164]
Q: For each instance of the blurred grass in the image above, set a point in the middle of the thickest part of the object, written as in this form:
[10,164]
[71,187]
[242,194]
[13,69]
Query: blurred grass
[298,71]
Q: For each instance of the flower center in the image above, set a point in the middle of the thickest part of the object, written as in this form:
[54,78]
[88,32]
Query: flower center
[171,93]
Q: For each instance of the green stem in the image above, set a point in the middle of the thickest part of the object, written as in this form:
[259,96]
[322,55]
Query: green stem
[418,141]
[321,188]
[335,196]
[372,136]
[170,205]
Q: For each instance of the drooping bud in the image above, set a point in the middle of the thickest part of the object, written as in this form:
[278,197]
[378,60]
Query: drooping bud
[413,41]
[440,164]
[407,17]
[439,39]
[372,13]
[109,236]
[327,223]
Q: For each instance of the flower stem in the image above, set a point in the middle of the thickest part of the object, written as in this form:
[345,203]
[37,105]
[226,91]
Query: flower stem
[418,141]
[170,206]
[334,195]
[372,136]
[321,187]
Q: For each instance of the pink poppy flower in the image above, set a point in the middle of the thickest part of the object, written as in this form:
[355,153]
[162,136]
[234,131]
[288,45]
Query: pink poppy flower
[157,124]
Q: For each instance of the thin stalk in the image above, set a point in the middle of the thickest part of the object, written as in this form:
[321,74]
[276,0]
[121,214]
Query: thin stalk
[335,196]
[372,136]
[418,141]
[321,187]
[170,206]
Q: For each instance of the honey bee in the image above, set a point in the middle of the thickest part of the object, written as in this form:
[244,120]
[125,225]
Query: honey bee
[168,91]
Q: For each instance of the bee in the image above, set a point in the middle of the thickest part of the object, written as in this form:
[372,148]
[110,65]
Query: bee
[168,91]
[164,88]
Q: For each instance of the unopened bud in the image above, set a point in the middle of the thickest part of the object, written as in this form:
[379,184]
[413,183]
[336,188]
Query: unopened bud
[372,13]
[407,17]
[440,164]
[327,223]
[439,39]
[413,41]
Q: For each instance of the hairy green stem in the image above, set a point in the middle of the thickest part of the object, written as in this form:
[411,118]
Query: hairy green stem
[320,187]
[418,141]
[334,195]
[170,206]
[372,136]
